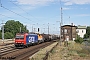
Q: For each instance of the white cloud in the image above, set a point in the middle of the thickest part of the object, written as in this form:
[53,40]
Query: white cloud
[70,2]
[45,2]
[34,2]
[66,8]
[83,15]
[83,8]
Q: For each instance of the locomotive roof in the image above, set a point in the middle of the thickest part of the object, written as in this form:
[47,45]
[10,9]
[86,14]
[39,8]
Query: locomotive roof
[32,34]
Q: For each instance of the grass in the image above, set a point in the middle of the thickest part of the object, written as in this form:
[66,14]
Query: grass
[73,51]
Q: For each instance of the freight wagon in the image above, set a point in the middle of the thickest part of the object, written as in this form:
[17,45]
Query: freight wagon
[46,37]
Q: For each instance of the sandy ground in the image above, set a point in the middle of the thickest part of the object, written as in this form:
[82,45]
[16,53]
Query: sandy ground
[2,43]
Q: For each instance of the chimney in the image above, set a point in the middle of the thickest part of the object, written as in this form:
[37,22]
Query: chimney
[72,24]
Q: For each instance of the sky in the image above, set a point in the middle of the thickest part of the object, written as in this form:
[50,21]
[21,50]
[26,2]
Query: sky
[43,13]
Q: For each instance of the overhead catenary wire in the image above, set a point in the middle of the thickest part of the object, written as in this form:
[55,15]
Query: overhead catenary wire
[13,11]
[19,7]
[3,14]
[22,9]
[17,13]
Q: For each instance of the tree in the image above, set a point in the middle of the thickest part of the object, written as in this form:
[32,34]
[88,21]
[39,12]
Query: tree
[13,27]
[87,32]
[8,35]
[86,36]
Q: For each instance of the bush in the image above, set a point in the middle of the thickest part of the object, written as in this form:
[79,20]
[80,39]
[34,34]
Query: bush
[79,39]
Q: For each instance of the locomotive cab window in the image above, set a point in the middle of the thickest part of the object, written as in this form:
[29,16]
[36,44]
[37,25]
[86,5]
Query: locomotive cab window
[19,37]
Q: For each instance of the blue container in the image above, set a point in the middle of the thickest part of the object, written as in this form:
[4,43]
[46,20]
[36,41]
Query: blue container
[31,39]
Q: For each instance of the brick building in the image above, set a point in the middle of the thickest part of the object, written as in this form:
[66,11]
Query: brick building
[68,32]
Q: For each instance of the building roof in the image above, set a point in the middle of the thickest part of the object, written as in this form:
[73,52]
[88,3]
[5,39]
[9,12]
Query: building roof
[81,27]
[69,26]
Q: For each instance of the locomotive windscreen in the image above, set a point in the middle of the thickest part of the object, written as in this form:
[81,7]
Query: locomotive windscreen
[19,37]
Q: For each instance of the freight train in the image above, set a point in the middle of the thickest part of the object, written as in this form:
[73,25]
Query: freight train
[27,39]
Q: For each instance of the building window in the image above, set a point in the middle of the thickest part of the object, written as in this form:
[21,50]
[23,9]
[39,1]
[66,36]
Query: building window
[77,31]
[82,31]
[65,30]
[62,35]
[79,35]
[62,30]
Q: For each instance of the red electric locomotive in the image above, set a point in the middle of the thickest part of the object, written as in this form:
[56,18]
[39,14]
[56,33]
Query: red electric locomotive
[20,39]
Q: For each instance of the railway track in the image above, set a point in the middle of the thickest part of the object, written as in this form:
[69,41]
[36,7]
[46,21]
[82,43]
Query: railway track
[4,44]
[24,54]
[7,50]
